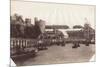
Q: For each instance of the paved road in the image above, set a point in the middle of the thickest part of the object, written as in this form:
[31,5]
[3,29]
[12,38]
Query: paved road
[58,54]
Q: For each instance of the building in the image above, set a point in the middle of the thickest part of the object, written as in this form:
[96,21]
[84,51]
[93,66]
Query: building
[39,25]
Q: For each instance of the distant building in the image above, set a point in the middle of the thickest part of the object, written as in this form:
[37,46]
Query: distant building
[57,27]
[75,33]
[89,33]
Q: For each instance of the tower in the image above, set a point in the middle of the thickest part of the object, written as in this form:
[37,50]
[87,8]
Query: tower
[40,25]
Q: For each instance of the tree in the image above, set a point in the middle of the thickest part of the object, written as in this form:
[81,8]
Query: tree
[17,27]
[77,26]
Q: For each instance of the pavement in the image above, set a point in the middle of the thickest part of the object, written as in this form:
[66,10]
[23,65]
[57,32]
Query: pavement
[58,54]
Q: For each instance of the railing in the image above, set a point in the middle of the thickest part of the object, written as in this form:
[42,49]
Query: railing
[22,42]
[33,42]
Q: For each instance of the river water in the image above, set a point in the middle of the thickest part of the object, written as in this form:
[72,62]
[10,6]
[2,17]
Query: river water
[58,54]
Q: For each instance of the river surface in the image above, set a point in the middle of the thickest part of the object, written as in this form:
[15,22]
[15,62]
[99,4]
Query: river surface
[58,54]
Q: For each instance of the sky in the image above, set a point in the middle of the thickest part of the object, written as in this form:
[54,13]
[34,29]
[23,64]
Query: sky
[55,14]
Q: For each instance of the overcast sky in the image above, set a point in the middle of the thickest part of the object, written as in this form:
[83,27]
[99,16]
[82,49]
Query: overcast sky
[55,14]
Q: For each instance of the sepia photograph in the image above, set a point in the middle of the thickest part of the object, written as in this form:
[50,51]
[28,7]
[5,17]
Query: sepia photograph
[43,33]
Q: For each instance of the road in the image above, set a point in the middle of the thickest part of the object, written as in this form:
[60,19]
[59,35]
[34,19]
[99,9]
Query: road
[58,54]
